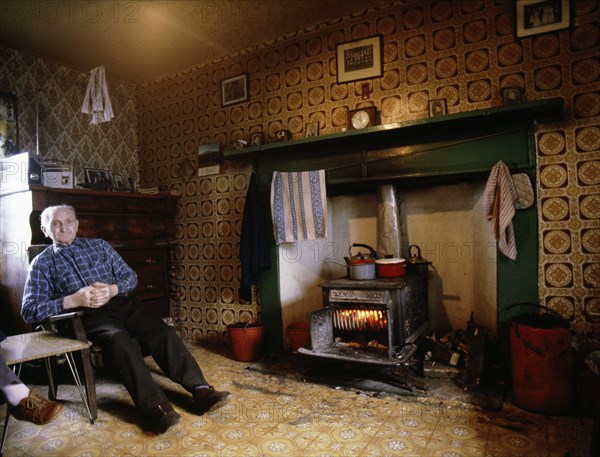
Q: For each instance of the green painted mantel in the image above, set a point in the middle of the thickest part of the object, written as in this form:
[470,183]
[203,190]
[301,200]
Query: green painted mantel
[433,147]
[439,149]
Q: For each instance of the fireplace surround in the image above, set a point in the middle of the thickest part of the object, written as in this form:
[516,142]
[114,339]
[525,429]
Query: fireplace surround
[443,149]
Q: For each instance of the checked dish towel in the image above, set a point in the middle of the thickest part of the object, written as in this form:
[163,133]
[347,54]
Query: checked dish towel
[499,199]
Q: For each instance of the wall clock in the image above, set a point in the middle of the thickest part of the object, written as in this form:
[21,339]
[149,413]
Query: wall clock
[361,117]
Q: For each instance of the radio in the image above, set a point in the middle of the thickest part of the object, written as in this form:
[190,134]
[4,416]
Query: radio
[57,174]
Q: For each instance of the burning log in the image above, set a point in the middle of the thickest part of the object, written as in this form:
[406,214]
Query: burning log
[362,320]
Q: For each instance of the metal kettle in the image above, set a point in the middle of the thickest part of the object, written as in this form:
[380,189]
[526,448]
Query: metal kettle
[415,264]
[360,256]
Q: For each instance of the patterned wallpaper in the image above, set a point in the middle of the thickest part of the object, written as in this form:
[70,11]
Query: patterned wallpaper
[463,51]
[65,133]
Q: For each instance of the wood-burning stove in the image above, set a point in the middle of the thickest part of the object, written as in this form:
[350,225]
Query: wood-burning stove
[370,321]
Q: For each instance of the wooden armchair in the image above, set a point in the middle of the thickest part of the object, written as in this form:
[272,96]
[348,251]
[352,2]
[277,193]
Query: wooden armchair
[70,325]
[89,382]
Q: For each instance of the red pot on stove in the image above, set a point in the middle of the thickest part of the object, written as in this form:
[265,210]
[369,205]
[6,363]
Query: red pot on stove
[390,268]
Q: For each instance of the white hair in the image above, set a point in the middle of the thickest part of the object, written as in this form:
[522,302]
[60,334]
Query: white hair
[46,216]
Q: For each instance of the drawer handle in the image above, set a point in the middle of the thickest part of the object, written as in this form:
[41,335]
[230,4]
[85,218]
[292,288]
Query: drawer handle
[150,286]
[150,261]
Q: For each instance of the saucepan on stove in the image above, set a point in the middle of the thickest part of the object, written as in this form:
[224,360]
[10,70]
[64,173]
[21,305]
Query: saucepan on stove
[390,268]
[359,268]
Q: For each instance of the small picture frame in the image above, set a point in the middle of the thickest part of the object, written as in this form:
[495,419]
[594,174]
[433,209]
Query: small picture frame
[187,169]
[511,95]
[540,16]
[9,125]
[234,90]
[96,178]
[437,107]
[119,183]
[361,59]
[256,139]
[312,129]
[283,135]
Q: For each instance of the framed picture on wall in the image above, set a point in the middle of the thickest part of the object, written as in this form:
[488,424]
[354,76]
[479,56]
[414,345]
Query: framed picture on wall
[234,90]
[540,16]
[359,59]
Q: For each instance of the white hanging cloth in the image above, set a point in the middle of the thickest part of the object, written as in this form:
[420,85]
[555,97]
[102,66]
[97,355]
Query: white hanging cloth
[97,100]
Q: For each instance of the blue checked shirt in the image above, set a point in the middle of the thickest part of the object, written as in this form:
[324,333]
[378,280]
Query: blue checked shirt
[59,271]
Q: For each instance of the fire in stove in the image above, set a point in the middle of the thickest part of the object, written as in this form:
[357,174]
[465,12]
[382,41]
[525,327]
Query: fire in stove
[362,320]
[361,329]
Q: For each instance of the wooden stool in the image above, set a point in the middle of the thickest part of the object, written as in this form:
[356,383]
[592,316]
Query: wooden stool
[26,347]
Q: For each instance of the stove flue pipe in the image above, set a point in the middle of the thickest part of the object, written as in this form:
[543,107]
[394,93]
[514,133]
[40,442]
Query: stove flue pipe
[389,241]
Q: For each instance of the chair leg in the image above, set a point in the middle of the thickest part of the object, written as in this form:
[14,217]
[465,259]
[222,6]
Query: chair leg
[88,371]
[90,383]
[17,370]
[90,403]
[4,434]
[51,385]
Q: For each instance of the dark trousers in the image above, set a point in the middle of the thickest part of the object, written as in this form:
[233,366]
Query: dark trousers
[122,328]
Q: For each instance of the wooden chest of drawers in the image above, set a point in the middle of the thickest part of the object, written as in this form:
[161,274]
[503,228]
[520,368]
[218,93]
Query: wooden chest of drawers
[152,268]
[140,227]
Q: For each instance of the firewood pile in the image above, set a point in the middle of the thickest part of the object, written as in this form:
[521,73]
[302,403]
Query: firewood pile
[469,350]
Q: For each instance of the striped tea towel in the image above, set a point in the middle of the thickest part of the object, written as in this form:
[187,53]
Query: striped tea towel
[499,199]
[299,205]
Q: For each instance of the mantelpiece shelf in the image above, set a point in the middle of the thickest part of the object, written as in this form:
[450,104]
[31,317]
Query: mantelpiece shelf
[434,149]
[416,131]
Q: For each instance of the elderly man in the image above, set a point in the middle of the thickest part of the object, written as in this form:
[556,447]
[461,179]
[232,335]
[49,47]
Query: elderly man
[88,274]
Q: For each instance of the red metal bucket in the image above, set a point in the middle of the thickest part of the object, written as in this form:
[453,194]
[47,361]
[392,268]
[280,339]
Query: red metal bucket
[541,363]
[298,335]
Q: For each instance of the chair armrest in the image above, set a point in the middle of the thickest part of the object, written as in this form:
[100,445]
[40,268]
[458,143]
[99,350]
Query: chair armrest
[59,323]
[63,316]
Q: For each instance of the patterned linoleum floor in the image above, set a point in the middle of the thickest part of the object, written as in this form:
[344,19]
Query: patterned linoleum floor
[271,415]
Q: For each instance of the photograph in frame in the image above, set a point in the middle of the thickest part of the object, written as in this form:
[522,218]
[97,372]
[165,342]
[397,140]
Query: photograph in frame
[540,16]
[9,125]
[234,90]
[256,139]
[437,107]
[312,129]
[119,182]
[511,95]
[359,59]
[97,178]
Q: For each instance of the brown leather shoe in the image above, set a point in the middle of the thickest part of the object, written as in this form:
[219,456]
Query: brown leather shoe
[36,409]
[208,398]
[162,417]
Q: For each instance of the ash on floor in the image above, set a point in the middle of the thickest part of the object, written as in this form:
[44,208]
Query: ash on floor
[437,381]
